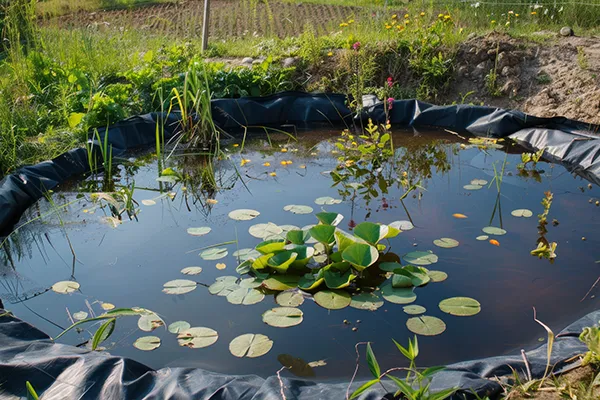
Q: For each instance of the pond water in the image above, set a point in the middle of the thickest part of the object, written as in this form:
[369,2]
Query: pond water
[127,263]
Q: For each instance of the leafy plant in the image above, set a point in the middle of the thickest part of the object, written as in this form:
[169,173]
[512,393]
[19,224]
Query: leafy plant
[545,249]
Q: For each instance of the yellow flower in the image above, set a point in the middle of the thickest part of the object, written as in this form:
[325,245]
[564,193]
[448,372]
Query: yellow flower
[516,15]
[440,15]
[244,162]
[405,16]
[394,16]
[351,21]
[460,30]
[406,21]
[236,145]
[404,174]
[283,163]
[288,162]
[343,24]
[447,17]
[284,150]
[493,21]
[387,26]
[267,164]
[400,27]
[533,13]
[330,54]
[422,14]
[354,144]
[273,174]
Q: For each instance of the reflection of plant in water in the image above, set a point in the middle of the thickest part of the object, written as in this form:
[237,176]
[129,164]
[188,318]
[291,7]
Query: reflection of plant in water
[530,159]
[118,202]
[545,249]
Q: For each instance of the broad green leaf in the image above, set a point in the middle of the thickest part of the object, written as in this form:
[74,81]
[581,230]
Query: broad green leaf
[262,261]
[291,298]
[336,280]
[147,343]
[304,254]
[75,119]
[265,231]
[402,225]
[250,345]
[360,255]
[65,287]
[281,282]
[327,201]
[103,333]
[392,232]
[460,306]
[372,362]
[370,232]
[296,366]
[446,243]
[421,258]
[402,279]
[309,282]
[297,236]
[244,267]
[323,233]
[149,322]
[191,270]
[243,214]
[389,266]
[472,187]
[245,296]
[420,275]
[363,388]
[179,326]
[426,325]
[197,337]
[280,262]
[215,253]
[522,213]
[397,295]
[270,246]
[492,230]
[283,317]
[332,299]
[201,231]
[414,309]
[366,301]
[179,286]
[437,276]
[329,218]
[298,209]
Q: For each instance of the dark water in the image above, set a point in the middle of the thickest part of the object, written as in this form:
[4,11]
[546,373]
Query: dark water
[128,265]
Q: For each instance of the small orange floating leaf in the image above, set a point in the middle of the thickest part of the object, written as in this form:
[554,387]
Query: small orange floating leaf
[221,266]
[495,242]
[459,216]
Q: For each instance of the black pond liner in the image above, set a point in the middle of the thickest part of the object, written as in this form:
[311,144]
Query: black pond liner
[64,372]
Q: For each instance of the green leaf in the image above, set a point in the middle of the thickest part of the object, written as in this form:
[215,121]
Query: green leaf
[472,187]
[420,275]
[223,285]
[366,301]
[147,343]
[265,231]
[280,262]
[179,286]
[298,236]
[326,201]
[323,233]
[281,282]
[282,317]
[149,322]
[179,326]
[336,280]
[298,209]
[250,345]
[426,325]
[215,253]
[343,240]
[270,246]
[332,299]
[372,362]
[201,231]
[414,309]
[480,182]
[389,266]
[402,279]
[421,258]
[243,214]
[370,232]
[460,306]
[304,255]
[397,295]
[245,296]
[360,255]
[522,213]
[246,254]
[309,282]
[291,298]
[65,287]
[191,270]
[75,119]
[31,391]
[446,243]
[329,218]
[118,312]
[197,337]
[492,230]
[404,387]
[262,261]
[363,388]
[103,333]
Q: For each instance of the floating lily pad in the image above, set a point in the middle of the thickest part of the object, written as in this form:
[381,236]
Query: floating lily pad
[223,286]
[80,315]
[289,299]
[283,317]
[366,301]
[179,326]
[197,338]
[250,283]
[215,253]
[246,254]
[327,200]
[472,187]
[402,225]
[426,325]
[245,296]
[333,299]
[179,286]
[265,231]
[281,282]
[250,345]
[522,213]
[148,202]
[397,295]
[243,214]
[414,309]
[437,276]
[480,182]
[107,306]
[492,230]
[149,322]
[191,270]
[147,343]
[460,306]
[201,231]
[421,258]
[482,237]
[446,243]
[389,266]
[65,287]
[298,209]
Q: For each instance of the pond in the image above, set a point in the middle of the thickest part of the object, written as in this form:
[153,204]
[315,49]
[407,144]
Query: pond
[433,185]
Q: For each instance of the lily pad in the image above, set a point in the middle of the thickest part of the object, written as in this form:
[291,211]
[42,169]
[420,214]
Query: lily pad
[338,280]
[298,209]
[148,202]
[179,326]
[289,299]
[460,306]
[480,182]
[360,255]
[65,287]
[402,225]
[201,231]
[250,345]
[426,325]
[250,283]
[287,228]
[149,322]
[79,315]
[179,286]
[333,299]
[245,296]
[265,231]
[397,295]
[329,218]
[323,233]
[246,254]
[472,187]
[147,343]
[522,213]
[482,237]
[327,200]
[446,243]
[370,232]
[283,317]
[414,309]
[223,286]
[366,301]
[437,276]
[243,214]
[215,253]
[191,270]
[492,230]
[197,338]
[421,258]
[281,282]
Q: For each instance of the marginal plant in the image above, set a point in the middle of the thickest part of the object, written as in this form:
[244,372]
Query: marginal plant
[545,249]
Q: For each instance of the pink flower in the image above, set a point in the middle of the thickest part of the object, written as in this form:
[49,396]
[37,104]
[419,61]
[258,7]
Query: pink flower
[356,46]
[390,81]
[351,224]
[390,102]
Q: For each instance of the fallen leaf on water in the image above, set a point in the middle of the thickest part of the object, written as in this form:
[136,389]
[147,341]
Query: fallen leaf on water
[221,266]
[244,162]
[273,174]
[459,216]
[267,164]
[495,242]
[211,201]
[302,166]
[284,150]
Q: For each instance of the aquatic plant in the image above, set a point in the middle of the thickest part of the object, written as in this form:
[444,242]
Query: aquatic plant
[545,249]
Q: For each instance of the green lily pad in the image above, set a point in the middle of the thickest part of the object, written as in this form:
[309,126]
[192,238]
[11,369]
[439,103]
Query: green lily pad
[402,279]
[492,230]
[179,326]
[389,266]
[437,276]
[281,282]
[323,233]
[201,231]
[80,315]
[397,295]
[333,299]
[327,201]
[283,317]
[426,325]
[191,270]
[310,282]
[265,231]
[419,275]
[245,296]
[421,258]
[147,343]
[480,182]
[446,243]
[414,309]
[482,237]
[289,298]
[250,283]
[370,232]
[360,255]
[197,337]
[149,322]
[366,301]
[215,253]
[460,306]
[223,286]
[472,187]
[246,254]
[65,287]
[522,213]
[243,214]
[179,286]
[270,246]
[329,218]
[338,280]
[402,225]
[298,209]
[250,345]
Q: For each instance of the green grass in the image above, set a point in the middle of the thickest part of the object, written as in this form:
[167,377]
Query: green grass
[53,8]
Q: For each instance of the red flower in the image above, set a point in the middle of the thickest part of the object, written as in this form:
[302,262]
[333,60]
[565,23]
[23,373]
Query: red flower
[390,81]
[356,46]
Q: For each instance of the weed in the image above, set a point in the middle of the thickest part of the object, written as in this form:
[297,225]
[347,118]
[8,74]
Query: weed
[543,79]
[582,58]
[545,249]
